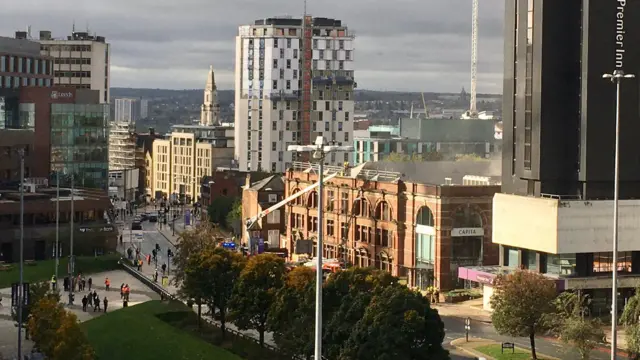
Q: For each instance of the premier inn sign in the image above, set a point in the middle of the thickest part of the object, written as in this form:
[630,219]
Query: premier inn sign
[620,32]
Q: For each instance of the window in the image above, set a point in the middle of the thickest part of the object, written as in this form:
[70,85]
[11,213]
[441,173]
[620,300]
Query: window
[330,227]
[275,63]
[341,44]
[528,95]
[340,105]
[295,74]
[340,126]
[274,146]
[327,106]
[288,85]
[603,262]
[275,84]
[327,65]
[320,116]
[347,55]
[288,63]
[281,115]
[281,73]
[346,116]
[273,169]
[288,105]
[341,65]
[346,136]
[274,126]
[288,43]
[295,53]
[315,64]
[315,43]
[275,43]
[315,106]
[326,126]
[314,126]
[281,53]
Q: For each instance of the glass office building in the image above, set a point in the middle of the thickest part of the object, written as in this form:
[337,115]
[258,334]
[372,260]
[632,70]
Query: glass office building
[80,143]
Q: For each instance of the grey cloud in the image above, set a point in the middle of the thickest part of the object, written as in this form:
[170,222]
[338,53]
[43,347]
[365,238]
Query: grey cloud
[401,44]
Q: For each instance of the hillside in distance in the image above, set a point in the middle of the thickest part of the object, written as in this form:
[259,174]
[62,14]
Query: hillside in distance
[227,96]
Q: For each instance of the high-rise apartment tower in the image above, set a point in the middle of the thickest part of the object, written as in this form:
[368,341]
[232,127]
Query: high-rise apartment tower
[294,80]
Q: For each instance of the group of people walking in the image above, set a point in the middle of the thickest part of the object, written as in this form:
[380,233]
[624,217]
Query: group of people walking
[92,299]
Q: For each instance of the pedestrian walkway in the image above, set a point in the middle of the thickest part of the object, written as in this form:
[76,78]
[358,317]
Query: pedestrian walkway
[139,294]
[466,309]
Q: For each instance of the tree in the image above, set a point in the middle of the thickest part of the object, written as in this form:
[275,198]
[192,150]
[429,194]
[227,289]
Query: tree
[415,157]
[37,292]
[520,301]
[633,340]
[223,268]
[346,296]
[255,291]
[234,217]
[57,334]
[291,317]
[192,241]
[220,207]
[569,323]
[631,312]
[398,324]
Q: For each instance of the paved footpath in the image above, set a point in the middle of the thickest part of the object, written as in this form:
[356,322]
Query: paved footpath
[139,294]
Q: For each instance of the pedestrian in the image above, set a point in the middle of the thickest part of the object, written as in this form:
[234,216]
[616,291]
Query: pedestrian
[65,283]
[107,283]
[127,291]
[148,259]
[90,299]
[122,291]
[105,303]
[155,276]
[54,282]
[164,268]
[84,283]
[89,282]
[96,304]
[84,303]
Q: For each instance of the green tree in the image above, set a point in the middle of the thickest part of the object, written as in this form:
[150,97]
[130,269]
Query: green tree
[235,215]
[631,312]
[633,340]
[219,208]
[191,241]
[255,291]
[520,301]
[291,317]
[223,269]
[570,323]
[37,292]
[398,323]
[346,296]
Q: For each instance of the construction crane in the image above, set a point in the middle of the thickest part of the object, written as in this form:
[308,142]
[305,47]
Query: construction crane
[472,113]
[424,104]
[251,222]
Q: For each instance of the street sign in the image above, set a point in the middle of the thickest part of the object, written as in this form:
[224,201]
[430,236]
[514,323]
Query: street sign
[467,328]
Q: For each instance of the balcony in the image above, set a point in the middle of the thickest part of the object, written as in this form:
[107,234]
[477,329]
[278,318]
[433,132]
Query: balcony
[560,226]
[328,80]
[285,95]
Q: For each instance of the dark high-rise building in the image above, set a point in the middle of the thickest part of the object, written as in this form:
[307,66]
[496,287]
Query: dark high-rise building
[559,113]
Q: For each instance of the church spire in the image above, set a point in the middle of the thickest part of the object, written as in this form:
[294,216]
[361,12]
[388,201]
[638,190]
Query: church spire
[210,110]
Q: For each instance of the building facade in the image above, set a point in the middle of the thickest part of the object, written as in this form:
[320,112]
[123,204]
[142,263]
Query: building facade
[186,155]
[294,81]
[80,60]
[554,215]
[259,196]
[128,110]
[11,142]
[21,63]
[122,146]
[93,229]
[420,232]
[210,109]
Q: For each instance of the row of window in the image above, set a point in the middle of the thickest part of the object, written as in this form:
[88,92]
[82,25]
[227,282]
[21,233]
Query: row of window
[72,61]
[26,65]
[8,82]
[55,48]
[72,74]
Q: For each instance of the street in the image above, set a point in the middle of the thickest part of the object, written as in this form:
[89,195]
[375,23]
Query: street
[454,328]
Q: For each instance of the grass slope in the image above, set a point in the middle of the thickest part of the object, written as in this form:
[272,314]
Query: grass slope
[43,270]
[495,351]
[138,333]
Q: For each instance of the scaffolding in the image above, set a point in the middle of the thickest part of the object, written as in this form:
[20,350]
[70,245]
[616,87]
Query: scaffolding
[122,146]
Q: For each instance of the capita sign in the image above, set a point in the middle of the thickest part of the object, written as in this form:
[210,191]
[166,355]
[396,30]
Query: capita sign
[61,95]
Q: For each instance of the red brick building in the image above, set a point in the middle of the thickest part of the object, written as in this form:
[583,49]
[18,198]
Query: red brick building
[256,197]
[388,216]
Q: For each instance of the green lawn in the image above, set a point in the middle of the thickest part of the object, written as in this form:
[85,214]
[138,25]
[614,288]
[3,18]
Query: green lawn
[495,351]
[43,270]
[139,333]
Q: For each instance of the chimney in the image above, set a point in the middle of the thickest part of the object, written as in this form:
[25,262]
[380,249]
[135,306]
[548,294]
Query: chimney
[247,183]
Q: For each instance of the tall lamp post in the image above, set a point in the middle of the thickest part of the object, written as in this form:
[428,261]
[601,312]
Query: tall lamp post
[20,289]
[616,77]
[319,151]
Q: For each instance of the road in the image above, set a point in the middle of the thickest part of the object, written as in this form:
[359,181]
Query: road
[454,329]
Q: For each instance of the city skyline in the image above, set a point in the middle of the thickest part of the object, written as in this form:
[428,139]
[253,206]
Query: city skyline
[418,46]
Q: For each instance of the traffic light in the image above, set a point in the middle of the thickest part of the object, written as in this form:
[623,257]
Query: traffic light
[169,253]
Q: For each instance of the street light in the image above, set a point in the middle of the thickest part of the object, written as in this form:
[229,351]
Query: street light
[616,77]
[20,289]
[319,151]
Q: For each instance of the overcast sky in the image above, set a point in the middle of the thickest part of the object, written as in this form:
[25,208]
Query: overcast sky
[400,45]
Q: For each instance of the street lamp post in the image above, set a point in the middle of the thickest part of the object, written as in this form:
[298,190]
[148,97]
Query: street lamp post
[319,151]
[616,77]
[57,251]
[20,288]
